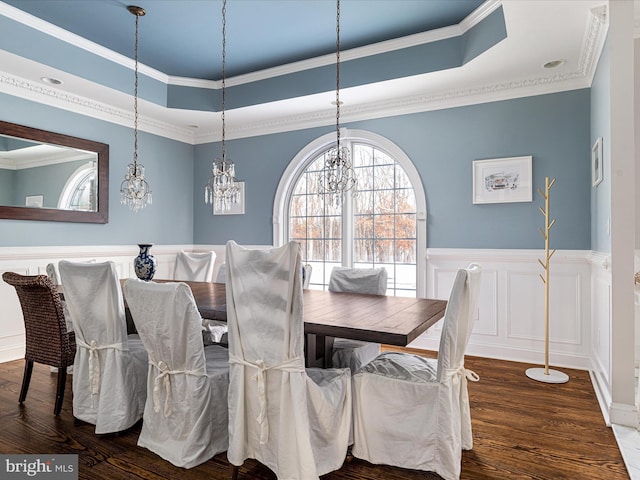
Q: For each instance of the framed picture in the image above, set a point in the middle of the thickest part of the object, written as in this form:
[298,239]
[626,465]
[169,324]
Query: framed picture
[596,162]
[237,209]
[502,180]
[36,201]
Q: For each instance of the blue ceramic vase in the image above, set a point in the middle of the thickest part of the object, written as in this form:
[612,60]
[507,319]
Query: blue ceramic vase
[145,264]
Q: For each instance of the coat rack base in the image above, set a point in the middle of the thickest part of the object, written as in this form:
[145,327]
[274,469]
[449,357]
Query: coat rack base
[554,376]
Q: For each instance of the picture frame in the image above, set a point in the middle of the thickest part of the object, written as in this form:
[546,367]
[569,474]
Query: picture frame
[503,180]
[596,163]
[35,201]
[235,209]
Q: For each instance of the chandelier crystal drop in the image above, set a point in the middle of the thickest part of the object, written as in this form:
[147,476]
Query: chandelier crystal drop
[337,175]
[135,192]
[222,190]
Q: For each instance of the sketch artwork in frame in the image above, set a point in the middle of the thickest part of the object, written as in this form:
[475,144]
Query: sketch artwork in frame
[36,201]
[596,162]
[502,180]
[236,209]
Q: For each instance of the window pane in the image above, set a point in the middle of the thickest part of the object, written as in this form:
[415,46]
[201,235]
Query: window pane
[383,250]
[402,180]
[363,251]
[362,155]
[333,227]
[405,277]
[381,158]
[384,226]
[315,205]
[333,252]
[405,201]
[364,202]
[365,178]
[384,177]
[316,250]
[298,205]
[315,227]
[364,226]
[384,201]
[405,226]
[405,251]
[297,227]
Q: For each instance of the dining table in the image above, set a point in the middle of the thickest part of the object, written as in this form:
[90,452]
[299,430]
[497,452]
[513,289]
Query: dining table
[381,319]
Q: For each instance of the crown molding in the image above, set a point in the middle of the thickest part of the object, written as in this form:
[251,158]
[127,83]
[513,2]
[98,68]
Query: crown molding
[36,92]
[593,42]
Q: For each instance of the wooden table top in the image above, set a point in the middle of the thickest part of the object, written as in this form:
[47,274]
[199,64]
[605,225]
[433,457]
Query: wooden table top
[371,318]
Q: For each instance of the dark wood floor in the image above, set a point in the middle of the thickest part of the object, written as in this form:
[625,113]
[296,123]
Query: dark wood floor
[522,429]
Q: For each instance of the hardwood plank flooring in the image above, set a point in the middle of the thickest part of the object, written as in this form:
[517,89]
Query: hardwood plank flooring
[522,429]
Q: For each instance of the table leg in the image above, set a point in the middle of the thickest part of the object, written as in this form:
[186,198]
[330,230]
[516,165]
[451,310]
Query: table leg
[318,351]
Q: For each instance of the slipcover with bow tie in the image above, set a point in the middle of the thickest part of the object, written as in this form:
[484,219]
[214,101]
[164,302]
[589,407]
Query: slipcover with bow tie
[185,417]
[196,266]
[294,420]
[110,368]
[372,281]
[413,412]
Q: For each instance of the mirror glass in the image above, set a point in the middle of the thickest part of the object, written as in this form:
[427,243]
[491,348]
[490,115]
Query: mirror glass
[50,176]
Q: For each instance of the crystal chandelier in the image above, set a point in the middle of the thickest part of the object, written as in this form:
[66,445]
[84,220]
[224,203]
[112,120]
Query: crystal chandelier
[134,190]
[222,189]
[337,175]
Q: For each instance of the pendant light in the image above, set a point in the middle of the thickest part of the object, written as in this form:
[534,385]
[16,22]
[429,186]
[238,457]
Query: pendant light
[222,189]
[337,175]
[134,190]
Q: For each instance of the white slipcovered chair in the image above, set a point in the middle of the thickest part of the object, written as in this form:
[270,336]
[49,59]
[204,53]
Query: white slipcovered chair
[413,412]
[373,281]
[306,275]
[195,267]
[221,276]
[110,367]
[296,421]
[185,416]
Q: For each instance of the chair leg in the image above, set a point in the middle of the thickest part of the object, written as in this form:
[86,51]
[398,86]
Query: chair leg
[26,378]
[62,381]
[234,472]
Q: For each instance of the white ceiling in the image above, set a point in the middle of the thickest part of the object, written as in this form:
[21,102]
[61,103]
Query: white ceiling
[538,31]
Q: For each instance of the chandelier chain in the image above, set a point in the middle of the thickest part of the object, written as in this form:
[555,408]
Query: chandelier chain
[135,101]
[224,62]
[338,73]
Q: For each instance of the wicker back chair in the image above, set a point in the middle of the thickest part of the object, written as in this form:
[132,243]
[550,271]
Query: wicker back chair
[47,338]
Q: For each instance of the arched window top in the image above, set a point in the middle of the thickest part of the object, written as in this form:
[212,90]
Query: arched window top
[78,192]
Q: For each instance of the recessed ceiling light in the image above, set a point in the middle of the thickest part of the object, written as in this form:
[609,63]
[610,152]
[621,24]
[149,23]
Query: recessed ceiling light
[553,64]
[51,80]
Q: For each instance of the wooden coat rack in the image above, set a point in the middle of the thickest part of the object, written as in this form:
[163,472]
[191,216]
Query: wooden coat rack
[546,374]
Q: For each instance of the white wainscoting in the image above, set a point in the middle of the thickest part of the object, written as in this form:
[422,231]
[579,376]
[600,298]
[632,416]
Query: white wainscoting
[511,317]
[34,260]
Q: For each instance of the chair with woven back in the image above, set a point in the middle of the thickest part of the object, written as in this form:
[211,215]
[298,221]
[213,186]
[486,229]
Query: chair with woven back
[46,336]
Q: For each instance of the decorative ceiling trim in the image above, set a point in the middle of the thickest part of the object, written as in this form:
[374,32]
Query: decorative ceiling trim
[592,46]
[53,97]
[368,50]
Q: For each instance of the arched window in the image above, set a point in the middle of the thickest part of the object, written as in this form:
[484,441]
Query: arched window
[79,190]
[383,225]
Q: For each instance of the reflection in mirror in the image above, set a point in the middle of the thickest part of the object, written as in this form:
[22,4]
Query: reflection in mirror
[49,176]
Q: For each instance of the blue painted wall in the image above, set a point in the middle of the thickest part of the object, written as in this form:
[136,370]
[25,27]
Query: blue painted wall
[169,167]
[601,127]
[554,129]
